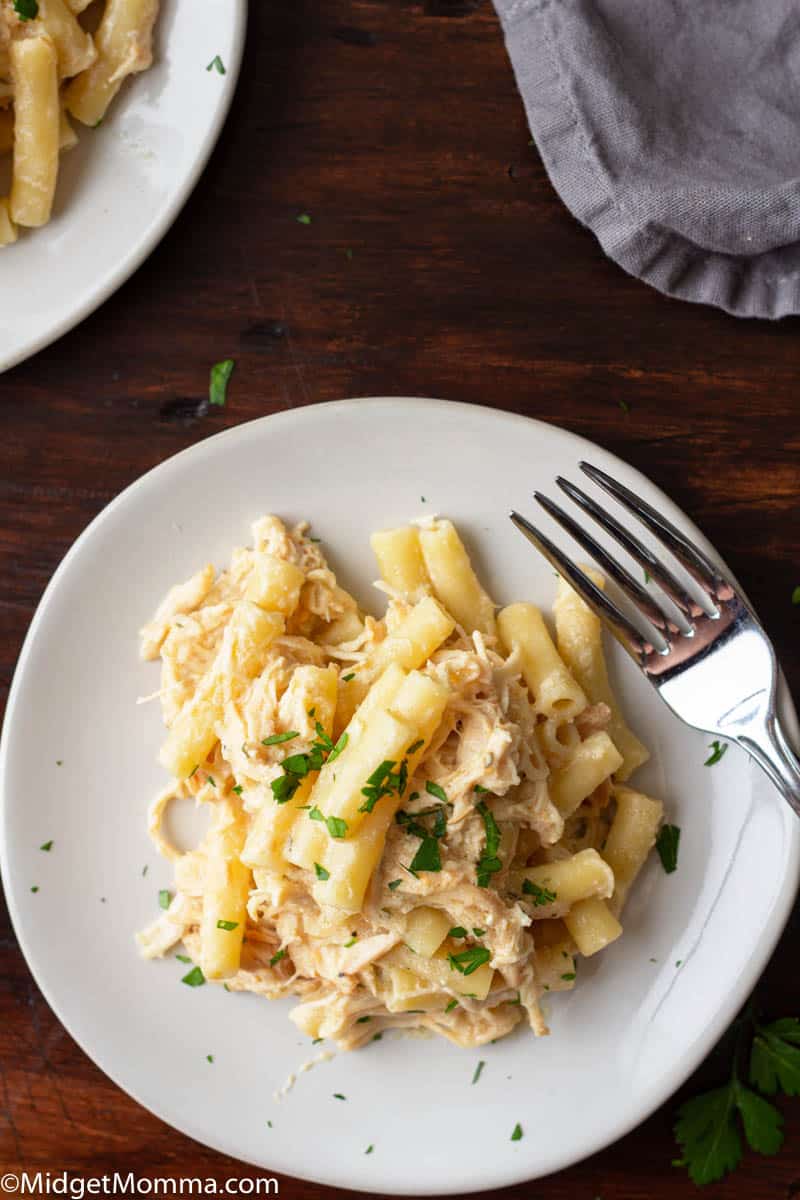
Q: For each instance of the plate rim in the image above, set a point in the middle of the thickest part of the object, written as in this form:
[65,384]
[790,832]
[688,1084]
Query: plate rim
[161,225]
[507,1176]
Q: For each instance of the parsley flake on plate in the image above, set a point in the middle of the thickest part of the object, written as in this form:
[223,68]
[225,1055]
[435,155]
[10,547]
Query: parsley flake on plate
[717,750]
[516,1136]
[47,845]
[195,978]
[275,739]
[164,898]
[667,846]
[478,1071]
[217,65]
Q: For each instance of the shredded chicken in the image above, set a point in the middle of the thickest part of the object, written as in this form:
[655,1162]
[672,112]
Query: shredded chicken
[478,800]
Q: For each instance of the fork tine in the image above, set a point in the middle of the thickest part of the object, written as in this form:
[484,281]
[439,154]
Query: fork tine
[638,595]
[639,646]
[637,550]
[705,573]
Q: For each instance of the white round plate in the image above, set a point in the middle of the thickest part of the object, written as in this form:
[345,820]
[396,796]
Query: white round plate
[643,1014]
[123,185]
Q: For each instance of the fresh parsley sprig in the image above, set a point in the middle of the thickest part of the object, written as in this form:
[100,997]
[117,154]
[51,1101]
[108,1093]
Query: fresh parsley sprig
[488,863]
[709,1126]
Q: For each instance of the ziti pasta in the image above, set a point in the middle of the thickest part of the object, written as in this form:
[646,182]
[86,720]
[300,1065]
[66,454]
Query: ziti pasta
[52,69]
[416,820]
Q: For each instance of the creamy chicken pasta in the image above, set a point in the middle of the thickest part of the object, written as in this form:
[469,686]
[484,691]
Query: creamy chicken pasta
[54,67]
[420,820]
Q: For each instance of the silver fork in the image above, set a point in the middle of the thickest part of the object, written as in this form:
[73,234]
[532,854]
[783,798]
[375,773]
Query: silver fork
[701,647]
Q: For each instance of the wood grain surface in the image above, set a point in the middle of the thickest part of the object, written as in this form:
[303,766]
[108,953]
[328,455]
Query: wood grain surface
[438,261]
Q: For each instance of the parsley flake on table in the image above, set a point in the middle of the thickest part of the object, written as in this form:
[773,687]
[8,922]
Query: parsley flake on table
[717,750]
[35,888]
[667,846]
[478,1071]
[210,1058]
[47,845]
[218,382]
[217,65]
[339,1096]
[539,895]
[164,898]
[516,1136]
[369,1149]
[195,978]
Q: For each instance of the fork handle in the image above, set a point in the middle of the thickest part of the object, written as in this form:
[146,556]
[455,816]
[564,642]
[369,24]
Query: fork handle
[771,750]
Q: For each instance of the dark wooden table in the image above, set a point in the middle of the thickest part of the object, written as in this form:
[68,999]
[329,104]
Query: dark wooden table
[439,262]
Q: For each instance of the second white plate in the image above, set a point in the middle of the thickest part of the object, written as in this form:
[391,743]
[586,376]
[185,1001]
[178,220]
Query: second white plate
[78,766]
[122,186]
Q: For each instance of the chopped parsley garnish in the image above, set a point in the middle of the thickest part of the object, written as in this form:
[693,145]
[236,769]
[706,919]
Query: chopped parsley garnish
[481,790]
[488,863]
[320,872]
[478,932]
[228,926]
[164,898]
[238,789]
[539,895]
[284,787]
[210,1058]
[218,383]
[339,1096]
[478,1071]
[217,65]
[796,595]
[427,857]
[337,827]
[210,779]
[184,958]
[338,748]
[717,750]
[350,675]
[47,845]
[304,219]
[667,846]
[275,739]
[296,764]
[276,958]
[195,978]
[707,1128]
[384,781]
[517,1134]
[35,888]
[453,1004]
[568,977]
[625,406]
[393,884]
[363,1020]
[458,931]
[314,814]
[59,762]
[145,869]
[369,1149]
[352,942]
[269,1123]
[26,10]
[469,960]
[435,789]
[415,746]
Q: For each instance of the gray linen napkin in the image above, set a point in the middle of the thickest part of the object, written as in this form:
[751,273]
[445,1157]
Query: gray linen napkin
[672,129]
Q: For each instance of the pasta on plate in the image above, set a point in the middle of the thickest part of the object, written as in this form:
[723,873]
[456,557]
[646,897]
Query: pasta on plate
[416,821]
[51,69]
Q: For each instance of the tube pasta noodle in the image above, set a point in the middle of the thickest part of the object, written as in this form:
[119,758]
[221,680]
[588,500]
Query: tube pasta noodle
[579,636]
[416,819]
[49,65]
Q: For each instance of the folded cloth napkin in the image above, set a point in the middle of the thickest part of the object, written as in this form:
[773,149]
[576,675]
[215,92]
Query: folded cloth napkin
[672,129]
